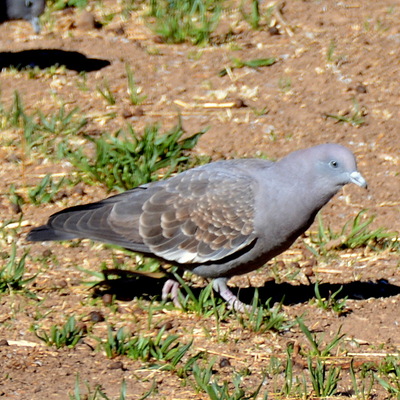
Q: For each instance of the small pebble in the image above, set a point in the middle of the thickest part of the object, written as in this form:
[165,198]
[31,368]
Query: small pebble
[116,365]
[96,316]
[273,31]
[239,103]
[127,113]
[61,284]
[80,326]
[361,89]
[224,362]
[119,31]
[158,39]
[13,158]
[119,261]
[79,190]
[47,253]
[15,208]
[107,299]
[86,21]
[308,271]
[61,194]
[166,325]
[138,112]
[3,342]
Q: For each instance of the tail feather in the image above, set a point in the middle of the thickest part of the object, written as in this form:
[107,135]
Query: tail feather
[45,233]
[91,221]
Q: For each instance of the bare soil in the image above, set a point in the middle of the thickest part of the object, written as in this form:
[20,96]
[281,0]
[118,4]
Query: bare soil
[277,109]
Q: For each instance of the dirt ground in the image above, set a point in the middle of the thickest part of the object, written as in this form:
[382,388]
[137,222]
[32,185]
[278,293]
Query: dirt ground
[333,58]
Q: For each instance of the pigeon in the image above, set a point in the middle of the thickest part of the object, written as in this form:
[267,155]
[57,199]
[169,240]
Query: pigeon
[218,220]
[29,10]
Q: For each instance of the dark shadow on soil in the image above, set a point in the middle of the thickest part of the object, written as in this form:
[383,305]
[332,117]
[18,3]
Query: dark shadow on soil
[128,286]
[295,294]
[45,58]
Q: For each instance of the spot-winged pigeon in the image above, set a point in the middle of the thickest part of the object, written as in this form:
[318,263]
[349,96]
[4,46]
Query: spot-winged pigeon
[29,10]
[218,220]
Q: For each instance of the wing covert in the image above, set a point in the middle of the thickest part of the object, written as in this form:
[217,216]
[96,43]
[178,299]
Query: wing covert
[199,216]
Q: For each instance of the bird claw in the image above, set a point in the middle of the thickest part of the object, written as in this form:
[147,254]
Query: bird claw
[171,289]
[234,303]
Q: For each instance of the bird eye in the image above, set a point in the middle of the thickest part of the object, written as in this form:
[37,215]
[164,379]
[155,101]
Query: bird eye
[333,164]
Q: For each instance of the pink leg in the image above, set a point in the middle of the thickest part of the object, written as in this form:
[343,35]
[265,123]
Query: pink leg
[221,287]
[170,289]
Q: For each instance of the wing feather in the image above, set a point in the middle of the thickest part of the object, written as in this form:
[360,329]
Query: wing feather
[196,217]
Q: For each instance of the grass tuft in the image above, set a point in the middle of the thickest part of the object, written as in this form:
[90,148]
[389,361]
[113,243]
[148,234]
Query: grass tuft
[355,118]
[256,63]
[261,319]
[179,21]
[12,272]
[166,349]
[253,17]
[133,90]
[355,234]
[94,394]
[62,4]
[46,190]
[105,91]
[324,377]
[68,335]
[338,306]
[36,133]
[127,159]
[233,389]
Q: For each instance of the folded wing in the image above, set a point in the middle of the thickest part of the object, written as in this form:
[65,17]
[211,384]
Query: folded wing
[196,217]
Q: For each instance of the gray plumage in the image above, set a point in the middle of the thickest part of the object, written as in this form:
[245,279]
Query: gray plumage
[30,10]
[219,220]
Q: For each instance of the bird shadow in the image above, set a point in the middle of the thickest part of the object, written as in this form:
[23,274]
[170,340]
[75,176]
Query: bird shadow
[129,285]
[45,58]
[290,294]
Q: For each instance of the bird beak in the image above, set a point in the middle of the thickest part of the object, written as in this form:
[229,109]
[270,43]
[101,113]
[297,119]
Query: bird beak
[357,178]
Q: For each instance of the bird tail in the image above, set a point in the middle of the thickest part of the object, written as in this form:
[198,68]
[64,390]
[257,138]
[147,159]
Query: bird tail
[90,221]
[45,233]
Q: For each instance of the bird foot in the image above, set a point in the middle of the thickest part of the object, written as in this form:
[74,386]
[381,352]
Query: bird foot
[171,289]
[234,303]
